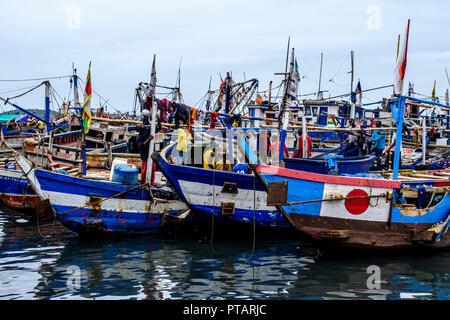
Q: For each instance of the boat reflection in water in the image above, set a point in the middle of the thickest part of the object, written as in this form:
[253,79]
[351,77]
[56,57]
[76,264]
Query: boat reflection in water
[156,268]
[188,267]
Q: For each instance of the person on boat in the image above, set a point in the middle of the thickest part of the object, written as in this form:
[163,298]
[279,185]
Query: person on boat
[276,146]
[164,108]
[378,139]
[351,147]
[183,139]
[223,164]
[297,135]
[180,113]
[40,125]
[363,145]
[391,153]
[209,156]
[299,152]
[143,140]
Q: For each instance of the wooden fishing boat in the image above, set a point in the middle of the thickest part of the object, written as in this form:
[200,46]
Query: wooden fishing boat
[332,164]
[232,198]
[16,194]
[101,207]
[362,212]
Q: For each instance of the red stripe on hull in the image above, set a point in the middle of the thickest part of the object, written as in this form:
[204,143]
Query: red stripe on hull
[20,201]
[309,176]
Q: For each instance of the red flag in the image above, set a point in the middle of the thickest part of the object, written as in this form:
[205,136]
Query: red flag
[400,66]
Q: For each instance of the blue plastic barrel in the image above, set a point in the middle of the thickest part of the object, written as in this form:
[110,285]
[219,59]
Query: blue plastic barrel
[125,174]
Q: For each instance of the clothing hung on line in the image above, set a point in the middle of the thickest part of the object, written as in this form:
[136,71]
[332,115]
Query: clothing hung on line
[299,152]
[142,145]
[183,138]
[180,113]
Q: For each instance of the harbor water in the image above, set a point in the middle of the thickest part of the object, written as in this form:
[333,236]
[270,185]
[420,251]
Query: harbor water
[45,261]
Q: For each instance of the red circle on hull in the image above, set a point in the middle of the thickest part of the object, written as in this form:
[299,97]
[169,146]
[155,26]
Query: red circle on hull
[357,206]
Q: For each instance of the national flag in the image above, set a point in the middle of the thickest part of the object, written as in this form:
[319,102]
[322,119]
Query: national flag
[297,77]
[357,91]
[433,94]
[410,88]
[86,117]
[293,76]
[400,66]
[153,79]
[358,88]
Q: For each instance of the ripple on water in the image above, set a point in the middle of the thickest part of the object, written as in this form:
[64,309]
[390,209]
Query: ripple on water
[32,267]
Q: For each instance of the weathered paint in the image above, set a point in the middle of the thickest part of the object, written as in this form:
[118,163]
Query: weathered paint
[380,225]
[201,190]
[125,214]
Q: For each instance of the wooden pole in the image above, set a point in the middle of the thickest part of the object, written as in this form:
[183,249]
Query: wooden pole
[270,92]
[287,55]
[110,158]
[424,140]
[47,106]
[398,139]
[319,96]
[304,140]
[153,125]
[352,104]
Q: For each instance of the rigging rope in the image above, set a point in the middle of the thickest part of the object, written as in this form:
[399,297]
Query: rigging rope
[37,79]
[15,90]
[214,205]
[108,103]
[22,94]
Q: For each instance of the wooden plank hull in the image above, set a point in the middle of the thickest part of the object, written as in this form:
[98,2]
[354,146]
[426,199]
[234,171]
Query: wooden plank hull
[352,165]
[100,207]
[203,191]
[363,213]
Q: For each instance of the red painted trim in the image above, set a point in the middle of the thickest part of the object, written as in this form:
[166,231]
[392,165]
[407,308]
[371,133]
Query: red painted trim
[309,176]
[20,201]
[441,183]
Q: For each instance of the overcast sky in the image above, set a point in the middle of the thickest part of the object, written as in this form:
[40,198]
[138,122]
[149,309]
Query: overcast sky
[42,38]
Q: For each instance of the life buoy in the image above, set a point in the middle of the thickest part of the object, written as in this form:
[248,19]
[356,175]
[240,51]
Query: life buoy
[406,112]
[222,87]
[259,100]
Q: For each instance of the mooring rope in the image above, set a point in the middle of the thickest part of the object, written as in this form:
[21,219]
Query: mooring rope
[15,182]
[254,217]
[214,205]
[102,200]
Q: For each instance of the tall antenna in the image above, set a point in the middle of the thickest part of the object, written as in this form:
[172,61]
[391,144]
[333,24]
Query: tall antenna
[177,90]
[352,72]
[398,49]
[209,97]
[320,75]
[287,56]
[448,80]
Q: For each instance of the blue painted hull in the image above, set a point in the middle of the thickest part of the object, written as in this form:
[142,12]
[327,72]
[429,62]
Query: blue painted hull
[131,213]
[349,165]
[196,187]
[363,212]
[325,135]
[12,182]
[107,222]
